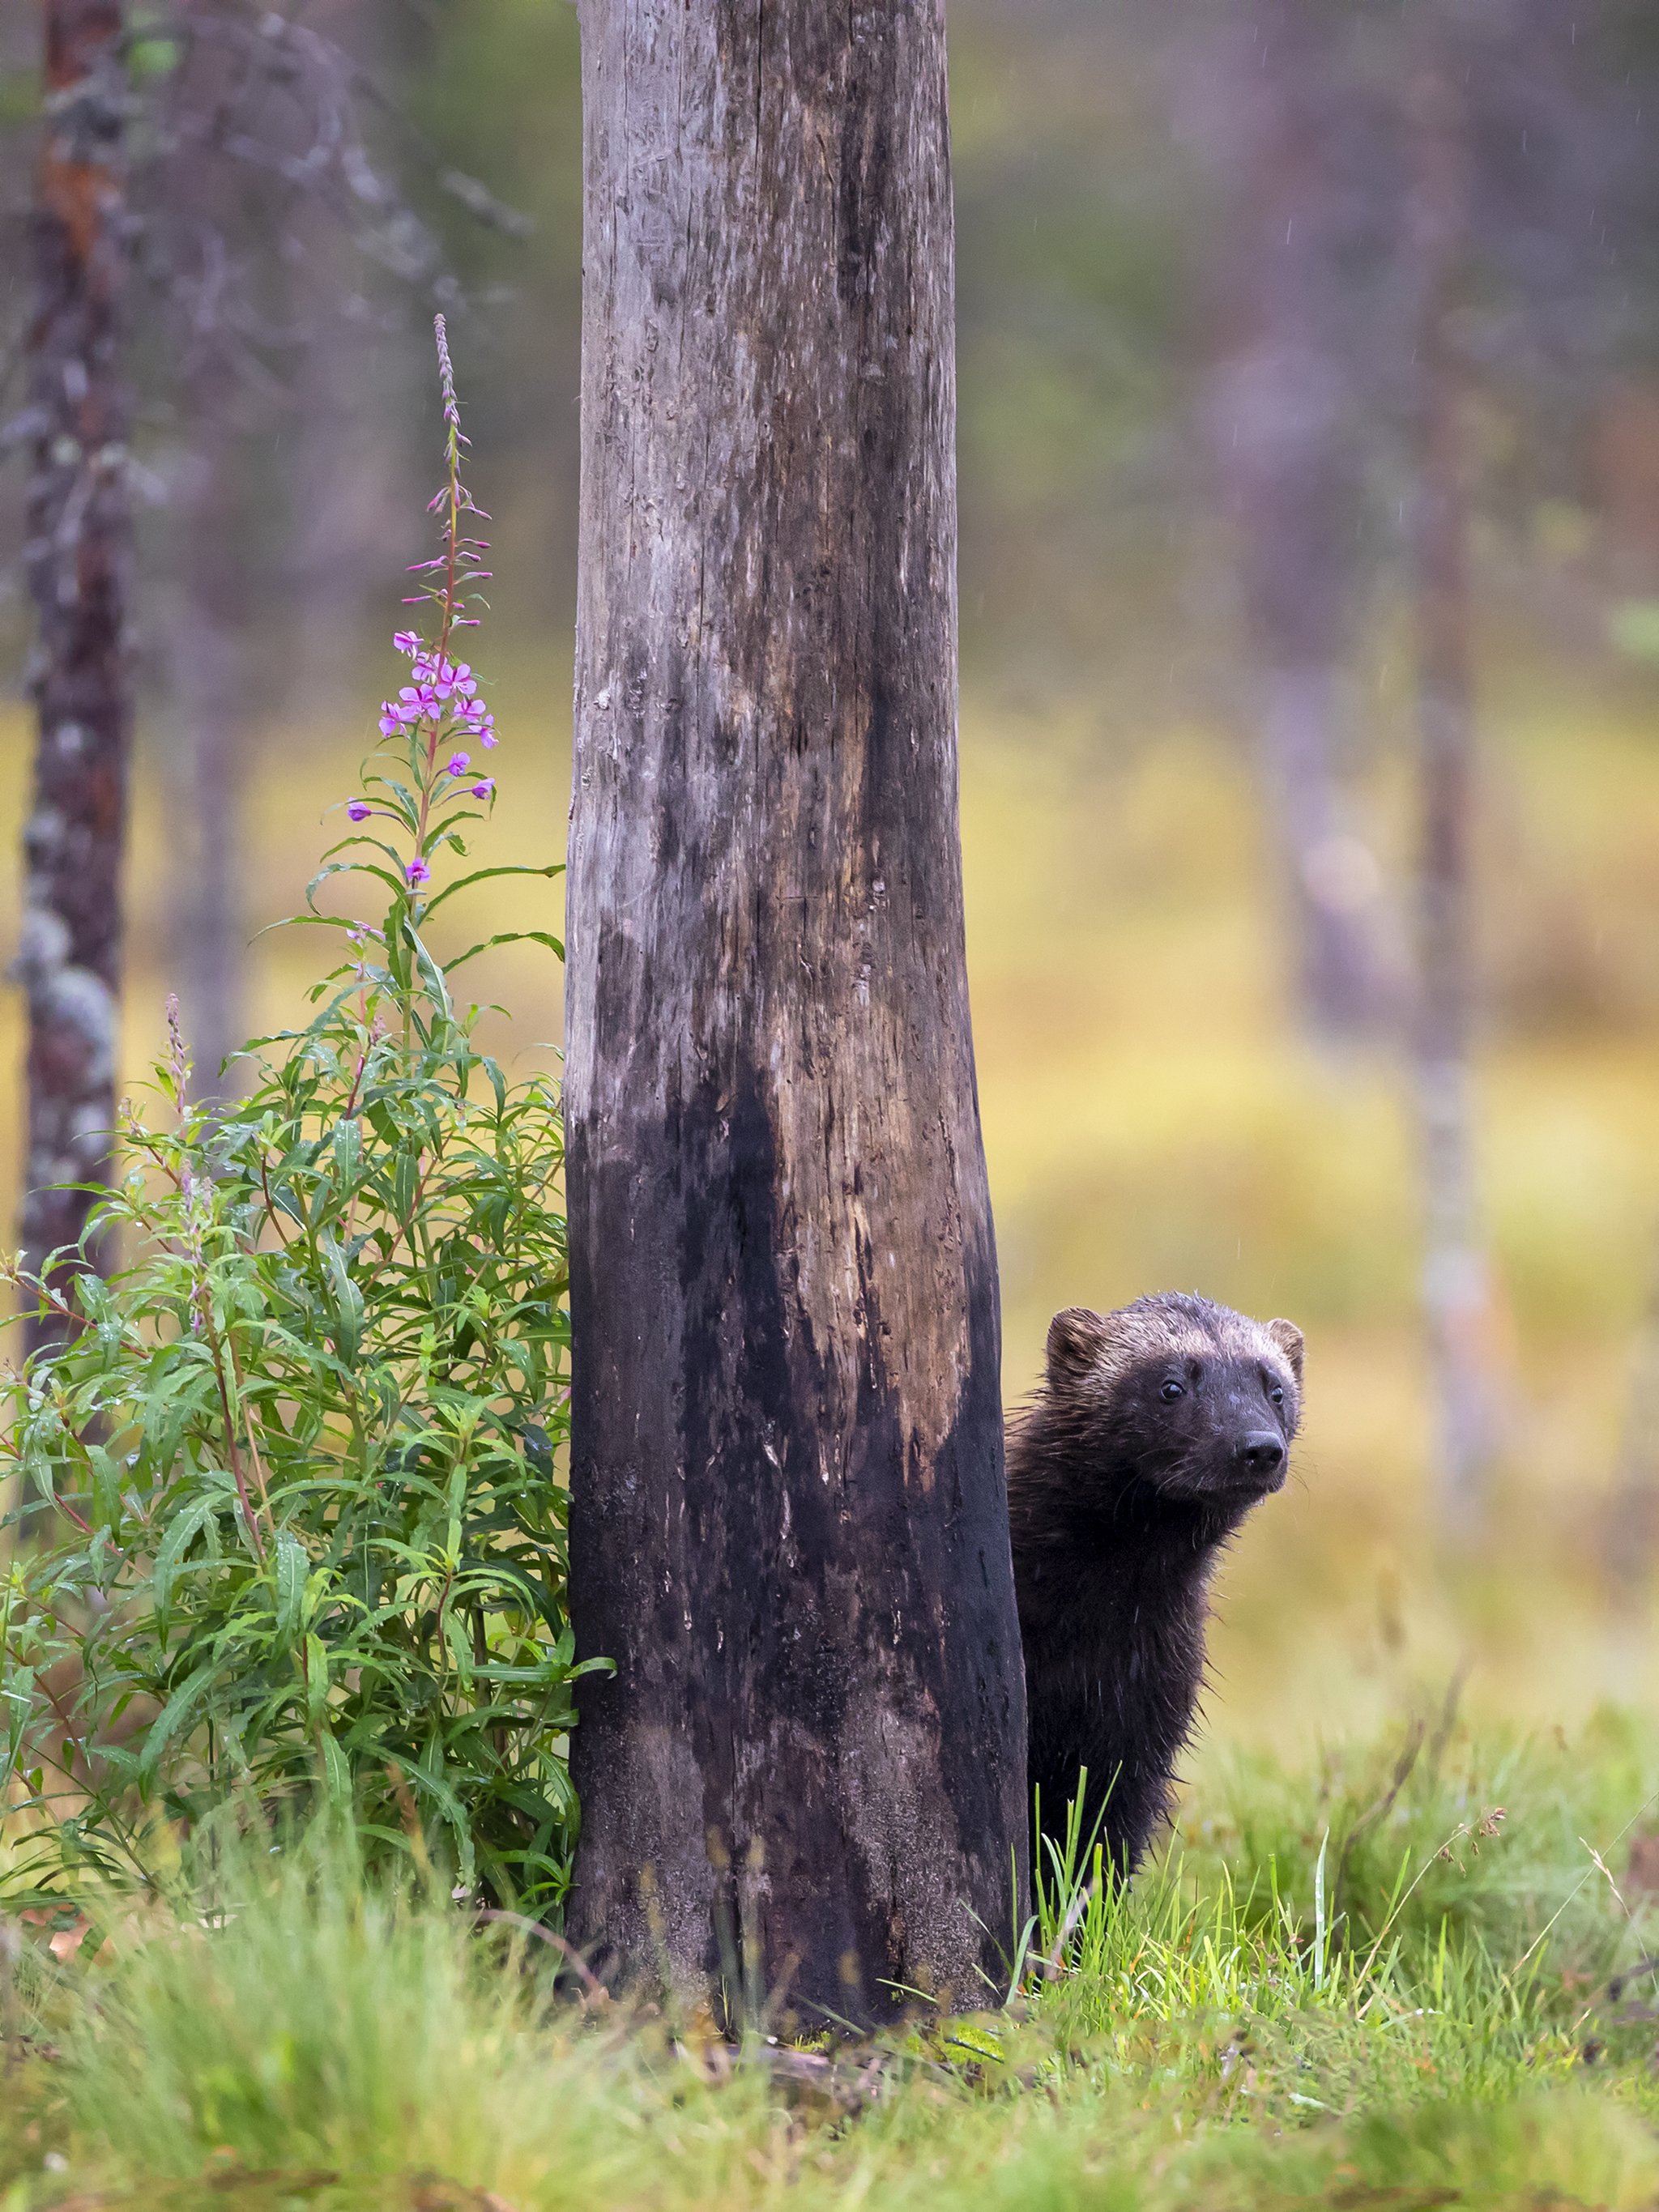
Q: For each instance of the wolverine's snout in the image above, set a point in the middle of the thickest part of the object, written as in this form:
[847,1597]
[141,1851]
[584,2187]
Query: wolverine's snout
[1261,1455]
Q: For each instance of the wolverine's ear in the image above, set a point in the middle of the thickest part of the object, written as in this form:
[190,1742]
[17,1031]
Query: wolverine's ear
[1076,1338]
[1288,1337]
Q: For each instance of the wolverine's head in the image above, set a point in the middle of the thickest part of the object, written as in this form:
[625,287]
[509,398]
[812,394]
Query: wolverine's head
[1176,1399]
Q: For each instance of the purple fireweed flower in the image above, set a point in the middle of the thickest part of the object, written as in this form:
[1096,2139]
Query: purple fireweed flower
[440,702]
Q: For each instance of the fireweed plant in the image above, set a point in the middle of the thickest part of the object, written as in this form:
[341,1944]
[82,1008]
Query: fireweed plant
[284,1525]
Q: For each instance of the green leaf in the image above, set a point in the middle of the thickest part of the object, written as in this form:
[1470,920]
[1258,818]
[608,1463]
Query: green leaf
[391,877]
[336,1773]
[173,1715]
[432,976]
[316,1678]
[505,937]
[484,875]
[348,1303]
[405,1178]
[292,1569]
[349,1150]
[181,1532]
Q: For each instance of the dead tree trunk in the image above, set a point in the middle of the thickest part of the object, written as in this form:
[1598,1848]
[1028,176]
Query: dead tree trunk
[77,555]
[1456,1283]
[806,1780]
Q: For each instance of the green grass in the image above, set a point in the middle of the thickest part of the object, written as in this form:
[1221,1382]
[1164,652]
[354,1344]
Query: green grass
[1244,2029]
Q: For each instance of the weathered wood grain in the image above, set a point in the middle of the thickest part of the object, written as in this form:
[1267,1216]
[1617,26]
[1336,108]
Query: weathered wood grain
[806,1779]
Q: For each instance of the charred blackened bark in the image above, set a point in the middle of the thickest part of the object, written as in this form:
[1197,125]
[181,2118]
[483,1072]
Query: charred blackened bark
[77,556]
[806,1780]
[1456,1285]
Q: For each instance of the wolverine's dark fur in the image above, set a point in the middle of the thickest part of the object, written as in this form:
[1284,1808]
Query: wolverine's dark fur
[1154,1432]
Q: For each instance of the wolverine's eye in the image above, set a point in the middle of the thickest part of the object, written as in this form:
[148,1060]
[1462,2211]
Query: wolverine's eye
[1172,1389]
[1277,1395]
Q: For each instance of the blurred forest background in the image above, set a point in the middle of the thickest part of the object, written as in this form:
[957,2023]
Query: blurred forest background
[1309,457]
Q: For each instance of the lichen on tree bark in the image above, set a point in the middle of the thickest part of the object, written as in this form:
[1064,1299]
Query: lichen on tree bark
[77,556]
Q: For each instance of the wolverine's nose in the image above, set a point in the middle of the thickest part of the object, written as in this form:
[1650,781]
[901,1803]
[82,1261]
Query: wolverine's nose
[1260,1453]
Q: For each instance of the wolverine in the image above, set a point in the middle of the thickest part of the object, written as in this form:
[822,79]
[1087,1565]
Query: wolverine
[1155,1430]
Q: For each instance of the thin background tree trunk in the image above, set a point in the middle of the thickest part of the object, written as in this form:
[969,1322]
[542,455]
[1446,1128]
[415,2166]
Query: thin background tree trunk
[210,754]
[1633,1525]
[1288,420]
[352,471]
[1456,1281]
[78,555]
[211,661]
[788,1517]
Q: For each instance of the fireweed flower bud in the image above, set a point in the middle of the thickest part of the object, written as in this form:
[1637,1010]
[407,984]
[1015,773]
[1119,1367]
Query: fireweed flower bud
[458,764]
[486,789]
[359,810]
[446,375]
[418,874]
